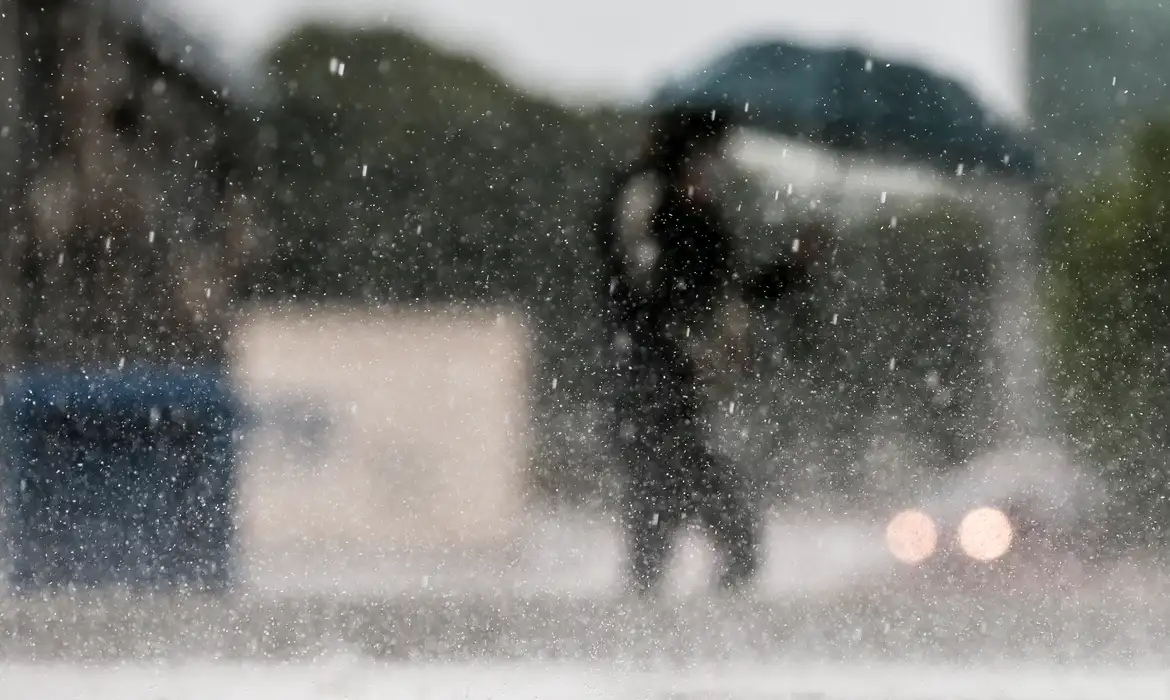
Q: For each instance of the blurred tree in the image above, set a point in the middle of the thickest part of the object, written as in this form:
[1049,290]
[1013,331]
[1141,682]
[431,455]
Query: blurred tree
[1107,288]
[409,174]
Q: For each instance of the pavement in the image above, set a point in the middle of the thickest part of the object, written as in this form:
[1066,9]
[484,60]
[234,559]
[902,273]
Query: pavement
[827,593]
[355,679]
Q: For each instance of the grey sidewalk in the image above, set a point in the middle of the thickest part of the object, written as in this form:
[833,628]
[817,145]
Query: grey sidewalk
[825,594]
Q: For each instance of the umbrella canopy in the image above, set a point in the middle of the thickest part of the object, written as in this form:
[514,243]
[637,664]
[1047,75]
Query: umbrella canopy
[850,100]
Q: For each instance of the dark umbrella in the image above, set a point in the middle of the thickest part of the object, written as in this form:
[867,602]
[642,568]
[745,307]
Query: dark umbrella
[851,101]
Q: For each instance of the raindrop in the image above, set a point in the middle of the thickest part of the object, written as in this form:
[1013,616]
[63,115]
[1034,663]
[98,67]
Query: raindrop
[554,382]
[869,65]
[746,106]
[835,318]
[150,236]
[883,197]
[654,520]
[4,131]
[365,169]
[790,189]
[731,408]
[106,243]
[122,362]
[933,379]
[959,170]
[893,362]
[60,258]
[893,222]
[795,245]
[1115,81]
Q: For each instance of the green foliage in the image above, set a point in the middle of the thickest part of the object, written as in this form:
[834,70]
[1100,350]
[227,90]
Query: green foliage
[1106,288]
[413,175]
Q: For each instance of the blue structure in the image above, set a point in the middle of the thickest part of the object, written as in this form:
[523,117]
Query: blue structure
[126,478]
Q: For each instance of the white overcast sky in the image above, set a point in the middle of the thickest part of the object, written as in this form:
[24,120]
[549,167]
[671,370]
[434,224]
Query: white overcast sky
[618,49]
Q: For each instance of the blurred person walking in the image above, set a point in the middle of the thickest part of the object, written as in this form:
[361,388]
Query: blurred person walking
[676,314]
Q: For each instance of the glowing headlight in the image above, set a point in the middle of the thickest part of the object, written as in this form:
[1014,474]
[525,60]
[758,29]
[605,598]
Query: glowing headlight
[985,534]
[911,536]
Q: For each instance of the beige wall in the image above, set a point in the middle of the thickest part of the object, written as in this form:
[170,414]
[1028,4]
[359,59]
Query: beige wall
[426,446]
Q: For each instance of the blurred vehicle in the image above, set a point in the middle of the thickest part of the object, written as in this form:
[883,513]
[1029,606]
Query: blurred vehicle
[1021,517]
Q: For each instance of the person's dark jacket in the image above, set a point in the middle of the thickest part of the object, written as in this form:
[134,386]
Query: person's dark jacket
[694,267]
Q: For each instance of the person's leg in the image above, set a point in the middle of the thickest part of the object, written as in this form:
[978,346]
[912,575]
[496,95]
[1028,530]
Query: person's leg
[713,491]
[653,508]
[652,522]
[731,518]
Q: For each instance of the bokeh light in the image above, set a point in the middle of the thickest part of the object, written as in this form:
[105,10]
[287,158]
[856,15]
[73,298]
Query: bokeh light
[911,536]
[985,534]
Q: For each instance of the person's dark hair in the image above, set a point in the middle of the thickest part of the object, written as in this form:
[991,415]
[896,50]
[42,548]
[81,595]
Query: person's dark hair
[676,135]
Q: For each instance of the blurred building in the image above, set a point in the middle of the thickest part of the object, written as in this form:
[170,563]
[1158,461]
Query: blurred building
[1097,70]
[128,166]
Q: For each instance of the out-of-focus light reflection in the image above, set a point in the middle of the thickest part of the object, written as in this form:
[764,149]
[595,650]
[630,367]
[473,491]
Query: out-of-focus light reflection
[985,534]
[911,536]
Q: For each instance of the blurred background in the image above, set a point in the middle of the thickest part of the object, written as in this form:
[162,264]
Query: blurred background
[405,298]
